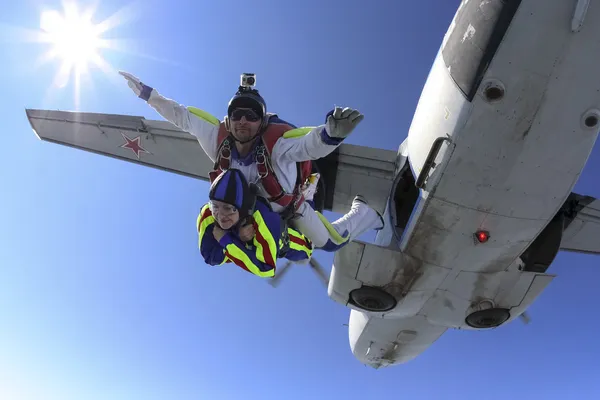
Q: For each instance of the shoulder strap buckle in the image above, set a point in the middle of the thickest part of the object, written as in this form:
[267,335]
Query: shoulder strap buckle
[284,240]
[262,163]
[224,156]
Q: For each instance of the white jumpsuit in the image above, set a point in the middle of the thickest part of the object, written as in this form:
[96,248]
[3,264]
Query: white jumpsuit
[285,154]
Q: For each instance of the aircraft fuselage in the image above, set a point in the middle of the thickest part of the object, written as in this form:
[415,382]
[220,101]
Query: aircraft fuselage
[504,127]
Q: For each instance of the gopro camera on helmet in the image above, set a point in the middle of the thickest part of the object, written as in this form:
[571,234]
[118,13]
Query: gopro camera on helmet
[247,80]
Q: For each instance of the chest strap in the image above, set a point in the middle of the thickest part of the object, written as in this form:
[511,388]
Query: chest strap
[266,175]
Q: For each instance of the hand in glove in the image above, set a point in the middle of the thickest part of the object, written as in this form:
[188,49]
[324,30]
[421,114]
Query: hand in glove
[340,123]
[140,90]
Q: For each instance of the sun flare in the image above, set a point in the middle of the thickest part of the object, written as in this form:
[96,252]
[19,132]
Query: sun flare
[74,38]
[75,41]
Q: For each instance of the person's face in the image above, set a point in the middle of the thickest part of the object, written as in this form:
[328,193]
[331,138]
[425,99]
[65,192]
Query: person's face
[244,123]
[225,214]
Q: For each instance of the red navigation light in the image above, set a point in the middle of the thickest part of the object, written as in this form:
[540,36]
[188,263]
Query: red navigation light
[482,236]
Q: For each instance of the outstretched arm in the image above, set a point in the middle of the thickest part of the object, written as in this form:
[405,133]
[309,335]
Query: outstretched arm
[189,119]
[304,144]
[313,143]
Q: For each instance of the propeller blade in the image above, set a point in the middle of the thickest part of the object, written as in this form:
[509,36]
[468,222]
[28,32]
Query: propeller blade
[279,274]
[525,318]
[315,266]
[320,271]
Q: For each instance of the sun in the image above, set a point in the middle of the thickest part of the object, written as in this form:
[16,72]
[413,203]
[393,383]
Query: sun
[75,40]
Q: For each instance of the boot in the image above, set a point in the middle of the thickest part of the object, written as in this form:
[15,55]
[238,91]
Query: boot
[359,219]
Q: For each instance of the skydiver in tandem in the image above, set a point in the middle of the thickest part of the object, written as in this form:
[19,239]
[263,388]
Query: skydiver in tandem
[273,154]
[239,226]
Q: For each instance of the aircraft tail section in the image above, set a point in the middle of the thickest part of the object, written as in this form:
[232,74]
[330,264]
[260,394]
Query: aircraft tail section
[581,232]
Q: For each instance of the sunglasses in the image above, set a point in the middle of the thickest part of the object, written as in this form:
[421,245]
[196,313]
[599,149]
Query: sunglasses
[250,115]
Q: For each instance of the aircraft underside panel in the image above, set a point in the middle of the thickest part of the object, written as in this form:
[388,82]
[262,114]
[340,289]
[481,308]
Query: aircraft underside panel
[348,171]
[464,293]
[400,306]
[381,342]
[582,233]
[519,147]
[484,23]
[363,274]
[511,157]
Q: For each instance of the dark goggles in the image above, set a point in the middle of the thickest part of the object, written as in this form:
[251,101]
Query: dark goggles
[250,115]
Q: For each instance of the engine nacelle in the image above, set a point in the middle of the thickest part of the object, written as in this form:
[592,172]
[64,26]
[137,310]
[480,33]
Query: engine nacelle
[355,283]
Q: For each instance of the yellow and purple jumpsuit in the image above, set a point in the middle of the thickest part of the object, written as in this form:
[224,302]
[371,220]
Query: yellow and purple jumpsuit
[273,240]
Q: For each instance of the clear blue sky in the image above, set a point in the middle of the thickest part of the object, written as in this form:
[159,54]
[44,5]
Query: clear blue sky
[103,293]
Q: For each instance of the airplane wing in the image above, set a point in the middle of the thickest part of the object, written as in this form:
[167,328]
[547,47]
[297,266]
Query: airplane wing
[582,229]
[348,171]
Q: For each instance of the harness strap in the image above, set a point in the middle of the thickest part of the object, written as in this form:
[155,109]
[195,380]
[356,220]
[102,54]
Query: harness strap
[290,201]
[223,160]
[284,241]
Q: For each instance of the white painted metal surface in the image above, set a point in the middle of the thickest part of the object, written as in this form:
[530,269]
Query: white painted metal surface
[379,342]
[583,234]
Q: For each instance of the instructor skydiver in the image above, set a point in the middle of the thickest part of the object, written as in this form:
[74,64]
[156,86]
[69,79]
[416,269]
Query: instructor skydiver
[272,153]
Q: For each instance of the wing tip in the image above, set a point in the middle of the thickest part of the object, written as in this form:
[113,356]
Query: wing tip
[29,114]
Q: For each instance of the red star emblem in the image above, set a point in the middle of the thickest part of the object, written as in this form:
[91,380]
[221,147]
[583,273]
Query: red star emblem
[134,145]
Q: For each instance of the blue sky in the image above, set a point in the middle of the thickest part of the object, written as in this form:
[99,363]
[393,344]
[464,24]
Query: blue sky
[103,292]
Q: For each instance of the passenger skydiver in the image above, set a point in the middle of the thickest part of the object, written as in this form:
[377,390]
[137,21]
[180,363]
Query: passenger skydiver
[272,153]
[239,226]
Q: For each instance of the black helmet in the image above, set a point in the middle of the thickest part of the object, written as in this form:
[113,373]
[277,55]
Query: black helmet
[231,187]
[247,98]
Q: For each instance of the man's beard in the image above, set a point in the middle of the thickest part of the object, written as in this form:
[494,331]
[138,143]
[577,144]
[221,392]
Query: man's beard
[244,134]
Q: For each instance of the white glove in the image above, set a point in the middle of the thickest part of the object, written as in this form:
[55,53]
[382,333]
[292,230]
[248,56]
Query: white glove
[140,90]
[340,123]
